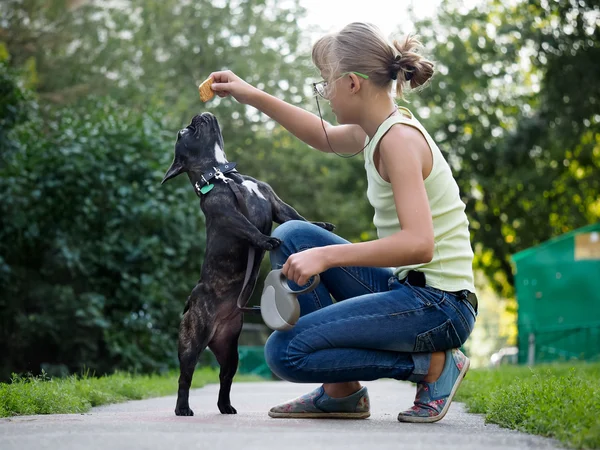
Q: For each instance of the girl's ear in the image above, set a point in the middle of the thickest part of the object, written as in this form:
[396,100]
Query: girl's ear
[354,83]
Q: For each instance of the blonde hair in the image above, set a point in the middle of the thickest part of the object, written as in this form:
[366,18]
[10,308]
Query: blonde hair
[362,47]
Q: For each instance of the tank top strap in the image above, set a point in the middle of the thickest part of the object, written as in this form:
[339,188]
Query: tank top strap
[404,117]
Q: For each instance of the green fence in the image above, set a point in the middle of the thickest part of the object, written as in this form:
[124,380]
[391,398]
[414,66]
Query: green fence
[559,298]
[563,344]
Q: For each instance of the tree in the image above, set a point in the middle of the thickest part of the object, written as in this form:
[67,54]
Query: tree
[152,55]
[96,258]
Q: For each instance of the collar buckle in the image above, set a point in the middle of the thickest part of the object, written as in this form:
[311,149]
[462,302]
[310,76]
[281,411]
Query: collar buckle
[219,175]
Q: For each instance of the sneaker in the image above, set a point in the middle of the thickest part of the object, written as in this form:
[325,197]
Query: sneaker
[318,405]
[433,399]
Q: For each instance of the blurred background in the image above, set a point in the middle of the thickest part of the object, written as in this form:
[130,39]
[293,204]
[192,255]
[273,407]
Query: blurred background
[97,259]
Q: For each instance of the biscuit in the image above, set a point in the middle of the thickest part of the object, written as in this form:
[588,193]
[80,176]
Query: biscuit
[206,93]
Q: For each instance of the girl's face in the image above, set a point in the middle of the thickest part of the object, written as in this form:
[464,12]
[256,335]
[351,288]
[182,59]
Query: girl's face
[340,92]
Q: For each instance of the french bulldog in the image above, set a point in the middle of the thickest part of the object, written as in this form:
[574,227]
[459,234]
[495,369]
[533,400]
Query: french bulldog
[211,316]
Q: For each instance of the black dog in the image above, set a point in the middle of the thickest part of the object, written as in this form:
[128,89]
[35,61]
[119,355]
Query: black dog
[211,316]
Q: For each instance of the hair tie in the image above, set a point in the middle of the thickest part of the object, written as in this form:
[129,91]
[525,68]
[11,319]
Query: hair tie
[395,67]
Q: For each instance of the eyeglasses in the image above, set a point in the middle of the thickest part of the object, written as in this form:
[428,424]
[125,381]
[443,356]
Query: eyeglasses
[320,87]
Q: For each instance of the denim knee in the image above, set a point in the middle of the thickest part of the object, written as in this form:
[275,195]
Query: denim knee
[276,356]
[288,232]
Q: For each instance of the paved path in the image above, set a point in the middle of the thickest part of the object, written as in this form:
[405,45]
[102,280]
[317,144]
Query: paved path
[151,424]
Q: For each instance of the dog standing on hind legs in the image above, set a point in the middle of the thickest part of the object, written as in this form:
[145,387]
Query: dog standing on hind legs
[212,317]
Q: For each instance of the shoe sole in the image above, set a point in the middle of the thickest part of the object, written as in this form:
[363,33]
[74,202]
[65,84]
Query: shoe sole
[282,415]
[440,416]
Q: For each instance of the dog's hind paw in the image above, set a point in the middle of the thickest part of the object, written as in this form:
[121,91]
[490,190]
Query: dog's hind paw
[326,225]
[226,409]
[184,411]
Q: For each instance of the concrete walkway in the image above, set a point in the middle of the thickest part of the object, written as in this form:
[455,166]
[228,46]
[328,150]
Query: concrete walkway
[151,424]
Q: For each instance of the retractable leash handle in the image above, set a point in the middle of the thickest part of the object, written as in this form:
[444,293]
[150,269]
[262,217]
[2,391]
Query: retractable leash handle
[279,304]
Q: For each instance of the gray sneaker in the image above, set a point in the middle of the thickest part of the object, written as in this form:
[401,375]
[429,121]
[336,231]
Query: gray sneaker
[318,405]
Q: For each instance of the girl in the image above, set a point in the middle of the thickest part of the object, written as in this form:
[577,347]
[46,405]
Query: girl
[405,302]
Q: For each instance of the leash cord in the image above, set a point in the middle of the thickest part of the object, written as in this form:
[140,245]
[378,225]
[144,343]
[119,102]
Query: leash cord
[366,145]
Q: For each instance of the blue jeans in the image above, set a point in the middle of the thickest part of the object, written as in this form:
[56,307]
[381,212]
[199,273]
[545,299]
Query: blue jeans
[377,327]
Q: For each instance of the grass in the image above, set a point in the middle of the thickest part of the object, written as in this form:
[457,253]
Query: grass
[77,394]
[559,401]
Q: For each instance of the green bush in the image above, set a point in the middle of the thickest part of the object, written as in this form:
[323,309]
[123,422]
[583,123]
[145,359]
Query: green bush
[96,258]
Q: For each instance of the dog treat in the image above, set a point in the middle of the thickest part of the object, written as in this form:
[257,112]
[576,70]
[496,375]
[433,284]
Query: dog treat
[206,93]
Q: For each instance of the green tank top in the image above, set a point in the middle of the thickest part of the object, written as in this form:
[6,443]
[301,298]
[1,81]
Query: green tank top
[451,268]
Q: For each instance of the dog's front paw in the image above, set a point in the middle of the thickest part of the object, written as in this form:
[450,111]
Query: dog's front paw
[270,243]
[184,411]
[326,225]
[226,408]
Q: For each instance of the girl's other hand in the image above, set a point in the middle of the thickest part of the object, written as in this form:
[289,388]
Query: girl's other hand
[228,83]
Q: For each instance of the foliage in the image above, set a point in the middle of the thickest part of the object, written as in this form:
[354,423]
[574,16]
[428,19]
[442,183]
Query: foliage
[560,401]
[77,394]
[152,55]
[80,283]
[16,106]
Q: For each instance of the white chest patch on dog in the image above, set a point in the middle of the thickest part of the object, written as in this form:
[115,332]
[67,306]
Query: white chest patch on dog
[253,188]
[219,154]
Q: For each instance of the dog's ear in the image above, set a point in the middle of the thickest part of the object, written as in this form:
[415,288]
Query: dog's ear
[175,169]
